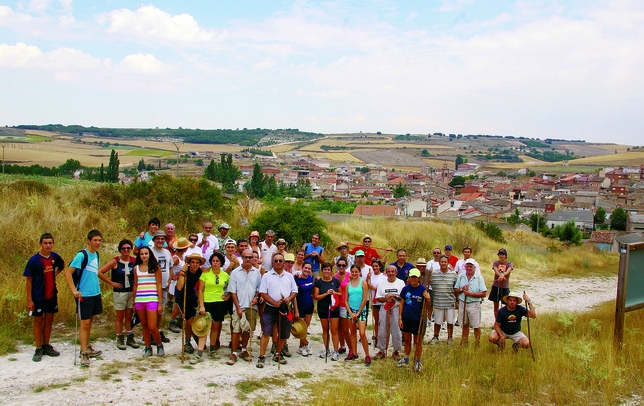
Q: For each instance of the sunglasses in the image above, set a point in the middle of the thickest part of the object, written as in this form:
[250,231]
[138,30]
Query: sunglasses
[126,248]
[217,279]
[193,240]
[278,261]
[367,241]
[341,265]
[247,257]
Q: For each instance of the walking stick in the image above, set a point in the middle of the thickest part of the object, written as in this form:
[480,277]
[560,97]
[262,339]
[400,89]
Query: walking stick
[328,334]
[387,333]
[183,323]
[529,338]
[250,335]
[77,338]
[279,332]
[420,329]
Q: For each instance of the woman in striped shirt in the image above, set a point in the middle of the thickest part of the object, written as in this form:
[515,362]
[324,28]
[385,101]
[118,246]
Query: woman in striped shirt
[147,298]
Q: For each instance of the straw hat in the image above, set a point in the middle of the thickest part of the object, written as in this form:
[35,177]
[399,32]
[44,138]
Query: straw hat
[519,299]
[201,324]
[298,329]
[182,243]
[195,255]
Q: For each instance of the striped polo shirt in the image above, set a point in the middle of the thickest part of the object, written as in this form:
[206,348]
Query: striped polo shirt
[443,286]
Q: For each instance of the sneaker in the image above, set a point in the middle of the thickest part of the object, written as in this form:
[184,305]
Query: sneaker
[434,340]
[457,324]
[367,361]
[245,356]
[37,355]
[232,360]
[325,353]
[417,366]
[131,341]
[342,350]
[450,341]
[48,350]
[197,359]
[260,361]
[396,355]
[515,347]
[308,348]
[285,351]
[273,349]
[84,358]
[213,354]
[403,362]
[188,348]
[147,351]
[160,351]
[92,352]
[380,355]
[335,356]
[303,351]
[164,339]
[217,345]
[120,342]
[281,360]
[174,326]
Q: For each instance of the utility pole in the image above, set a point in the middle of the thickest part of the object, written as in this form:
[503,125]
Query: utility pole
[178,145]
[3,145]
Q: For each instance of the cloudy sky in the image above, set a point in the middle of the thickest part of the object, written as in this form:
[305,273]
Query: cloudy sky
[536,68]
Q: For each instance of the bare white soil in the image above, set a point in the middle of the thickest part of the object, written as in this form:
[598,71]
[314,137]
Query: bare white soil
[124,377]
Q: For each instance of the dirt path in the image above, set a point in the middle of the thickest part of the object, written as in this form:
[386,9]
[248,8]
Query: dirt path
[123,377]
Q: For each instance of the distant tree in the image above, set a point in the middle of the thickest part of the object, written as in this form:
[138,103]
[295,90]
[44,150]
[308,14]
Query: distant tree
[224,171]
[618,219]
[400,190]
[457,180]
[537,221]
[515,218]
[459,160]
[69,167]
[600,216]
[532,173]
[101,176]
[256,186]
[501,173]
[141,165]
[569,232]
[113,168]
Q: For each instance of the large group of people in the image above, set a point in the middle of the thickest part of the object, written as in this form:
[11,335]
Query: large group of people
[205,277]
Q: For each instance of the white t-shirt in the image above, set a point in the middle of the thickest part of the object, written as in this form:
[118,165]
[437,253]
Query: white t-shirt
[267,254]
[460,267]
[375,281]
[385,287]
[366,271]
[211,245]
[164,258]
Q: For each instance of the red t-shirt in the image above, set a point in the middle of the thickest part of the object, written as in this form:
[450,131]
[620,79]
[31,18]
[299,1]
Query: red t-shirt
[369,254]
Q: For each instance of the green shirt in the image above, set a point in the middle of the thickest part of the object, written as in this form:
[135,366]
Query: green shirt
[214,286]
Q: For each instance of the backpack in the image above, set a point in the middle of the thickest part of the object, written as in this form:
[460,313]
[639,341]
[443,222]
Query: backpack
[77,275]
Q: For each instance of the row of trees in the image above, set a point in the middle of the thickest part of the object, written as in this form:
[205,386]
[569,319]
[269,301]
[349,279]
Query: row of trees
[261,185]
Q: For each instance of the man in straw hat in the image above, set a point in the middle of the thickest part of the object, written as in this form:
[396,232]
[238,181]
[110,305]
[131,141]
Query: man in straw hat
[243,287]
[223,234]
[471,290]
[278,289]
[508,322]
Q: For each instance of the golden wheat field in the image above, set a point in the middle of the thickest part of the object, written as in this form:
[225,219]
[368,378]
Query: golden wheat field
[632,158]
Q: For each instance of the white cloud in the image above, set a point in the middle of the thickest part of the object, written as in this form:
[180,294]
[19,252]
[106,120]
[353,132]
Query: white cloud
[19,55]
[142,64]
[8,17]
[150,24]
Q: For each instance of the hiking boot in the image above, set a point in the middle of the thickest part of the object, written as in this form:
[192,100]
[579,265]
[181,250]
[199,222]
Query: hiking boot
[131,341]
[92,352]
[380,355]
[84,358]
[245,356]
[260,361]
[197,359]
[367,361]
[232,360]
[303,351]
[396,355]
[285,351]
[417,366]
[164,339]
[217,345]
[335,356]
[187,347]
[147,351]
[37,355]
[174,326]
[160,351]
[281,360]
[120,342]
[325,353]
[48,350]
[342,350]
[515,347]
[450,341]
[273,349]
[434,341]
[403,362]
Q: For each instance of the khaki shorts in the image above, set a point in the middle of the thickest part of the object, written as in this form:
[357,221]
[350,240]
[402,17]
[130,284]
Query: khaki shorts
[251,320]
[441,315]
[473,316]
[122,300]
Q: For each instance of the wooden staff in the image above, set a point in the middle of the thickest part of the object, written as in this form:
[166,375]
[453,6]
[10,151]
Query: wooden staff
[529,338]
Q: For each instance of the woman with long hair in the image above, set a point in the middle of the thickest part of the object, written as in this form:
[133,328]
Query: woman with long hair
[212,299]
[323,290]
[299,262]
[305,304]
[188,279]
[356,297]
[377,277]
[148,299]
[343,277]
[122,281]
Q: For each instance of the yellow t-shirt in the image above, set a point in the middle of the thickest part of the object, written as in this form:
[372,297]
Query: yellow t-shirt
[214,286]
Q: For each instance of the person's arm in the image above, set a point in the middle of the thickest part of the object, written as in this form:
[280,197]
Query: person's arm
[200,290]
[70,282]
[321,256]
[111,264]
[531,312]
[296,310]
[365,296]
[400,312]
[182,279]
[317,295]
[135,286]
[497,328]
[346,297]
[508,271]
[30,302]
[159,280]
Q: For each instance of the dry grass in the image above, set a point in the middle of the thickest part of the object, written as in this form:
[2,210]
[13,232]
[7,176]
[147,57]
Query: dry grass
[612,159]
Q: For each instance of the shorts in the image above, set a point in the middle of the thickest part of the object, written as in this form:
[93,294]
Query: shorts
[306,312]
[324,314]
[316,274]
[122,300]
[343,312]
[191,308]
[516,337]
[217,310]
[473,316]
[441,315]
[362,316]
[497,293]
[410,326]
[270,318]
[252,320]
[45,306]
[90,306]
[147,306]
[376,308]
[229,306]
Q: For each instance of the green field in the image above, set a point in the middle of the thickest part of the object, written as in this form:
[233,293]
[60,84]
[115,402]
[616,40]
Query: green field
[149,152]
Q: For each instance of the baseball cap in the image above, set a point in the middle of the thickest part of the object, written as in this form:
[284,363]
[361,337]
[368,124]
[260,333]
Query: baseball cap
[470,261]
[414,272]
[360,253]
[223,225]
[448,247]
[501,251]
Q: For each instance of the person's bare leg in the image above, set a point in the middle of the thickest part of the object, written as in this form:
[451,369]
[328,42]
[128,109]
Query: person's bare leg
[39,321]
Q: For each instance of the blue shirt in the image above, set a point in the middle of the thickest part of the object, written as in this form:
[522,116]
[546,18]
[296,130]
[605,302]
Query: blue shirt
[143,242]
[304,293]
[314,261]
[403,271]
[89,285]
[413,298]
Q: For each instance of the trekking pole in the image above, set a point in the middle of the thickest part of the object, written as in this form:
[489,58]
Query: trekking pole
[420,329]
[388,325]
[250,335]
[183,323]
[529,338]
[77,337]
[328,334]
[279,333]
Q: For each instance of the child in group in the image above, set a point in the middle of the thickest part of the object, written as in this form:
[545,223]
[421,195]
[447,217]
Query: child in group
[148,298]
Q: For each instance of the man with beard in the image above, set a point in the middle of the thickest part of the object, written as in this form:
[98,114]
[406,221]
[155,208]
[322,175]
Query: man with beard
[508,322]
